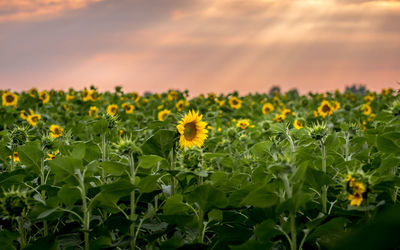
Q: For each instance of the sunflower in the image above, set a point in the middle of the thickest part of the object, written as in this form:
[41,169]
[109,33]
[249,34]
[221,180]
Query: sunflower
[286,112]
[267,108]
[181,105]
[355,199]
[193,131]
[243,123]
[135,96]
[325,109]
[357,189]
[33,119]
[279,118]
[16,157]
[212,96]
[33,92]
[9,99]
[44,96]
[86,95]
[66,107]
[235,103]
[162,114]
[56,131]
[336,105]
[25,113]
[93,111]
[366,109]
[172,95]
[128,108]
[52,155]
[315,113]
[220,102]
[112,109]
[298,124]
[370,97]
[69,97]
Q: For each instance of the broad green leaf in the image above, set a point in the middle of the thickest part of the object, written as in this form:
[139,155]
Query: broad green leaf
[149,161]
[31,154]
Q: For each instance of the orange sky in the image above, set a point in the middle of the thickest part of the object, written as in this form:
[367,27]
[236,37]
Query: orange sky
[200,45]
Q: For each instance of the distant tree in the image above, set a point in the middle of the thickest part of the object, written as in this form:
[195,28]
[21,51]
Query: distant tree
[275,89]
[356,89]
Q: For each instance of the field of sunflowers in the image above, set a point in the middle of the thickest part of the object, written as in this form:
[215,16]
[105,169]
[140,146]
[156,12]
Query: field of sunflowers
[82,169]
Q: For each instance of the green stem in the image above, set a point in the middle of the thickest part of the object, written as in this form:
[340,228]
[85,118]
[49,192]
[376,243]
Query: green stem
[346,152]
[12,161]
[201,225]
[21,232]
[292,215]
[324,194]
[103,147]
[173,158]
[133,202]
[86,211]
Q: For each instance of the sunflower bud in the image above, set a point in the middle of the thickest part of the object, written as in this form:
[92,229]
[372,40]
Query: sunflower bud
[14,203]
[126,146]
[190,158]
[318,131]
[19,136]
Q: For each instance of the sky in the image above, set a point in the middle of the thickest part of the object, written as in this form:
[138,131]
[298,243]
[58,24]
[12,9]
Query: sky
[200,45]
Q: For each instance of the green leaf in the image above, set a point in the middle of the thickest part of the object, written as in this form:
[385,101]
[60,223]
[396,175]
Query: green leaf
[261,197]
[64,167]
[215,215]
[208,197]
[266,230]
[261,149]
[31,154]
[160,143]
[387,145]
[69,195]
[114,168]
[148,184]
[149,161]
[174,205]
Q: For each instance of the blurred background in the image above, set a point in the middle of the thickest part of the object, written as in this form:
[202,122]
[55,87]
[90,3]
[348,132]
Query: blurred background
[200,45]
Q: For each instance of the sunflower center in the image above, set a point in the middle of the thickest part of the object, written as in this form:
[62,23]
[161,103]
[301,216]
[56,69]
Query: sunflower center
[266,109]
[9,98]
[57,131]
[235,102]
[35,119]
[190,131]
[326,109]
[113,110]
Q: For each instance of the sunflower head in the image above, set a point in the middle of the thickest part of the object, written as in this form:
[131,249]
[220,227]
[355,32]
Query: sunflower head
[33,119]
[318,131]
[69,97]
[44,96]
[14,203]
[15,157]
[172,95]
[134,96]
[126,146]
[267,108]
[181,105]
[298,124]
[336,105]
[212,96]
[243,123]
[56,131]
[325,109]
[279,118]
[366,109]
[162,114]
[33,92]
[112,109]
[19,135]
[128,108]
[52,155]
[9,99]
[93,111]
[235,102]
[192,130]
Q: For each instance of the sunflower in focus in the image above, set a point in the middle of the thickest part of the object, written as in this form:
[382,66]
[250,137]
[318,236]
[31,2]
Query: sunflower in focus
[112,109]
[267,108]
[366,109]
[33,119]
[193,131]
[9,99]
[325,109]
[44,96]
[162,114]
[243,123]
[235,102]
[128,108]
[56,131]
[298,124]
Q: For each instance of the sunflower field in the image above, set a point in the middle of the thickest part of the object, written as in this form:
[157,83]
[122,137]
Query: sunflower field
[115,170]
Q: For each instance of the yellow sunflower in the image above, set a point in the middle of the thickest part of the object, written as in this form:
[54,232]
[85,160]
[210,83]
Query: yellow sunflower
[325,109]
[336,105]
[267,108]
[355,199]
[162,114]
[193,131]
[25,113]
[220,102]
[298,124]
[128,108]
[44,96]
[370,97]
[243,123]
[172,95]
[33,92]
[56,131]
[93,111]
[16,157]
[69,97]
[235,102]
[366,109]
[212,96]
[112,109]
[86,95]
[135,96]
[33,119]
[9,99]
[53,155]
[181,105]
[279,118]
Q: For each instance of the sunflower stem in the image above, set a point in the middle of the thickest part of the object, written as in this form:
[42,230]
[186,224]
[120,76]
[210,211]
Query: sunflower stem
[324,194]
[133,202]
[104,147]
[173,158]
